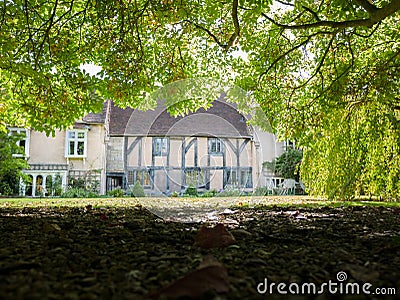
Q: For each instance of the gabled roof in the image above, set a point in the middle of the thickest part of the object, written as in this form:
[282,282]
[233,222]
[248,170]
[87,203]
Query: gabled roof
[221,120]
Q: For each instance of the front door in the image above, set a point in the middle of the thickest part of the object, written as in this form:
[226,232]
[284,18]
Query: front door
[114,182]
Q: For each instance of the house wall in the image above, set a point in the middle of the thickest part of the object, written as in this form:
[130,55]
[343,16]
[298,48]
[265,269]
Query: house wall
[47,157]
[175,159]
[270,148]
[185,153]
[147,143]
[47,149]
[95,151]
[115,154]
[51,150]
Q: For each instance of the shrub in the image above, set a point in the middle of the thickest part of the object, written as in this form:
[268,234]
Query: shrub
[11,167]
[174,194]
[85,182]
[9,183]
[191,190]
[137,190]
[118,193]
[58,190]
[209,194]
[5,189]
[76,182]
[287,165]
[78,193]
[231,192]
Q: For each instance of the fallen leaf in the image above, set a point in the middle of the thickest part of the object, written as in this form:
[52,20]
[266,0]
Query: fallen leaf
[214,237]
[210,275]
[297,215]
[88,208]
[50,227]
[301,216]
[396,211]
[228,211]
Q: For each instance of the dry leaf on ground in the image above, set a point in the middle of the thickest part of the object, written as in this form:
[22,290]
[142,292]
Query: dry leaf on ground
[210,275]
[213,237]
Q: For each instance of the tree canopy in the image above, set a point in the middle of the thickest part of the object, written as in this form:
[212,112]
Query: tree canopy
[325,72]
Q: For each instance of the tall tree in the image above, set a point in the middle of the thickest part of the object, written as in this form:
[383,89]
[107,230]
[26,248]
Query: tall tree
[287,164]
[325,72]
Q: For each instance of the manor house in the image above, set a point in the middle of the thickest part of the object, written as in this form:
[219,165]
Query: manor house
[211,149]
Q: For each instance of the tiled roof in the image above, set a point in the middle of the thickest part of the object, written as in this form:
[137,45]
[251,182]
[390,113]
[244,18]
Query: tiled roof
[96,118]
[119,118]
[222,120]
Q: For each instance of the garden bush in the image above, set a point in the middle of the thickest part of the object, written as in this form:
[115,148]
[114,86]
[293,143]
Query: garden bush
[79,193]
[191,190]
[175,194]
[231,192]
[118,193]
[5,189]
[137,190]
[209,194]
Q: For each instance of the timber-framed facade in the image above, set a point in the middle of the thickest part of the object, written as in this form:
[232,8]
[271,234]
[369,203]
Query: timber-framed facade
[212,149]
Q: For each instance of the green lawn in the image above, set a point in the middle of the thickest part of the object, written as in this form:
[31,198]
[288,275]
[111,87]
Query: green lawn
[68,202]
[249,201]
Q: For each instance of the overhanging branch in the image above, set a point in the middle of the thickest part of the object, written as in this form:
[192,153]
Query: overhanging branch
[236,25]
[369,7]
[283,55]
[312,12]
[208,32]
[375,15]
[321,63]
[331,24]
[234,35]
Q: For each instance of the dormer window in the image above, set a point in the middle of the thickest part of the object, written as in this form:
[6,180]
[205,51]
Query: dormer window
[76,143]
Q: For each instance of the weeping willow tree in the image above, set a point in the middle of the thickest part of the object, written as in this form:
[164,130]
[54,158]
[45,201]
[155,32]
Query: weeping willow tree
[355,154]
